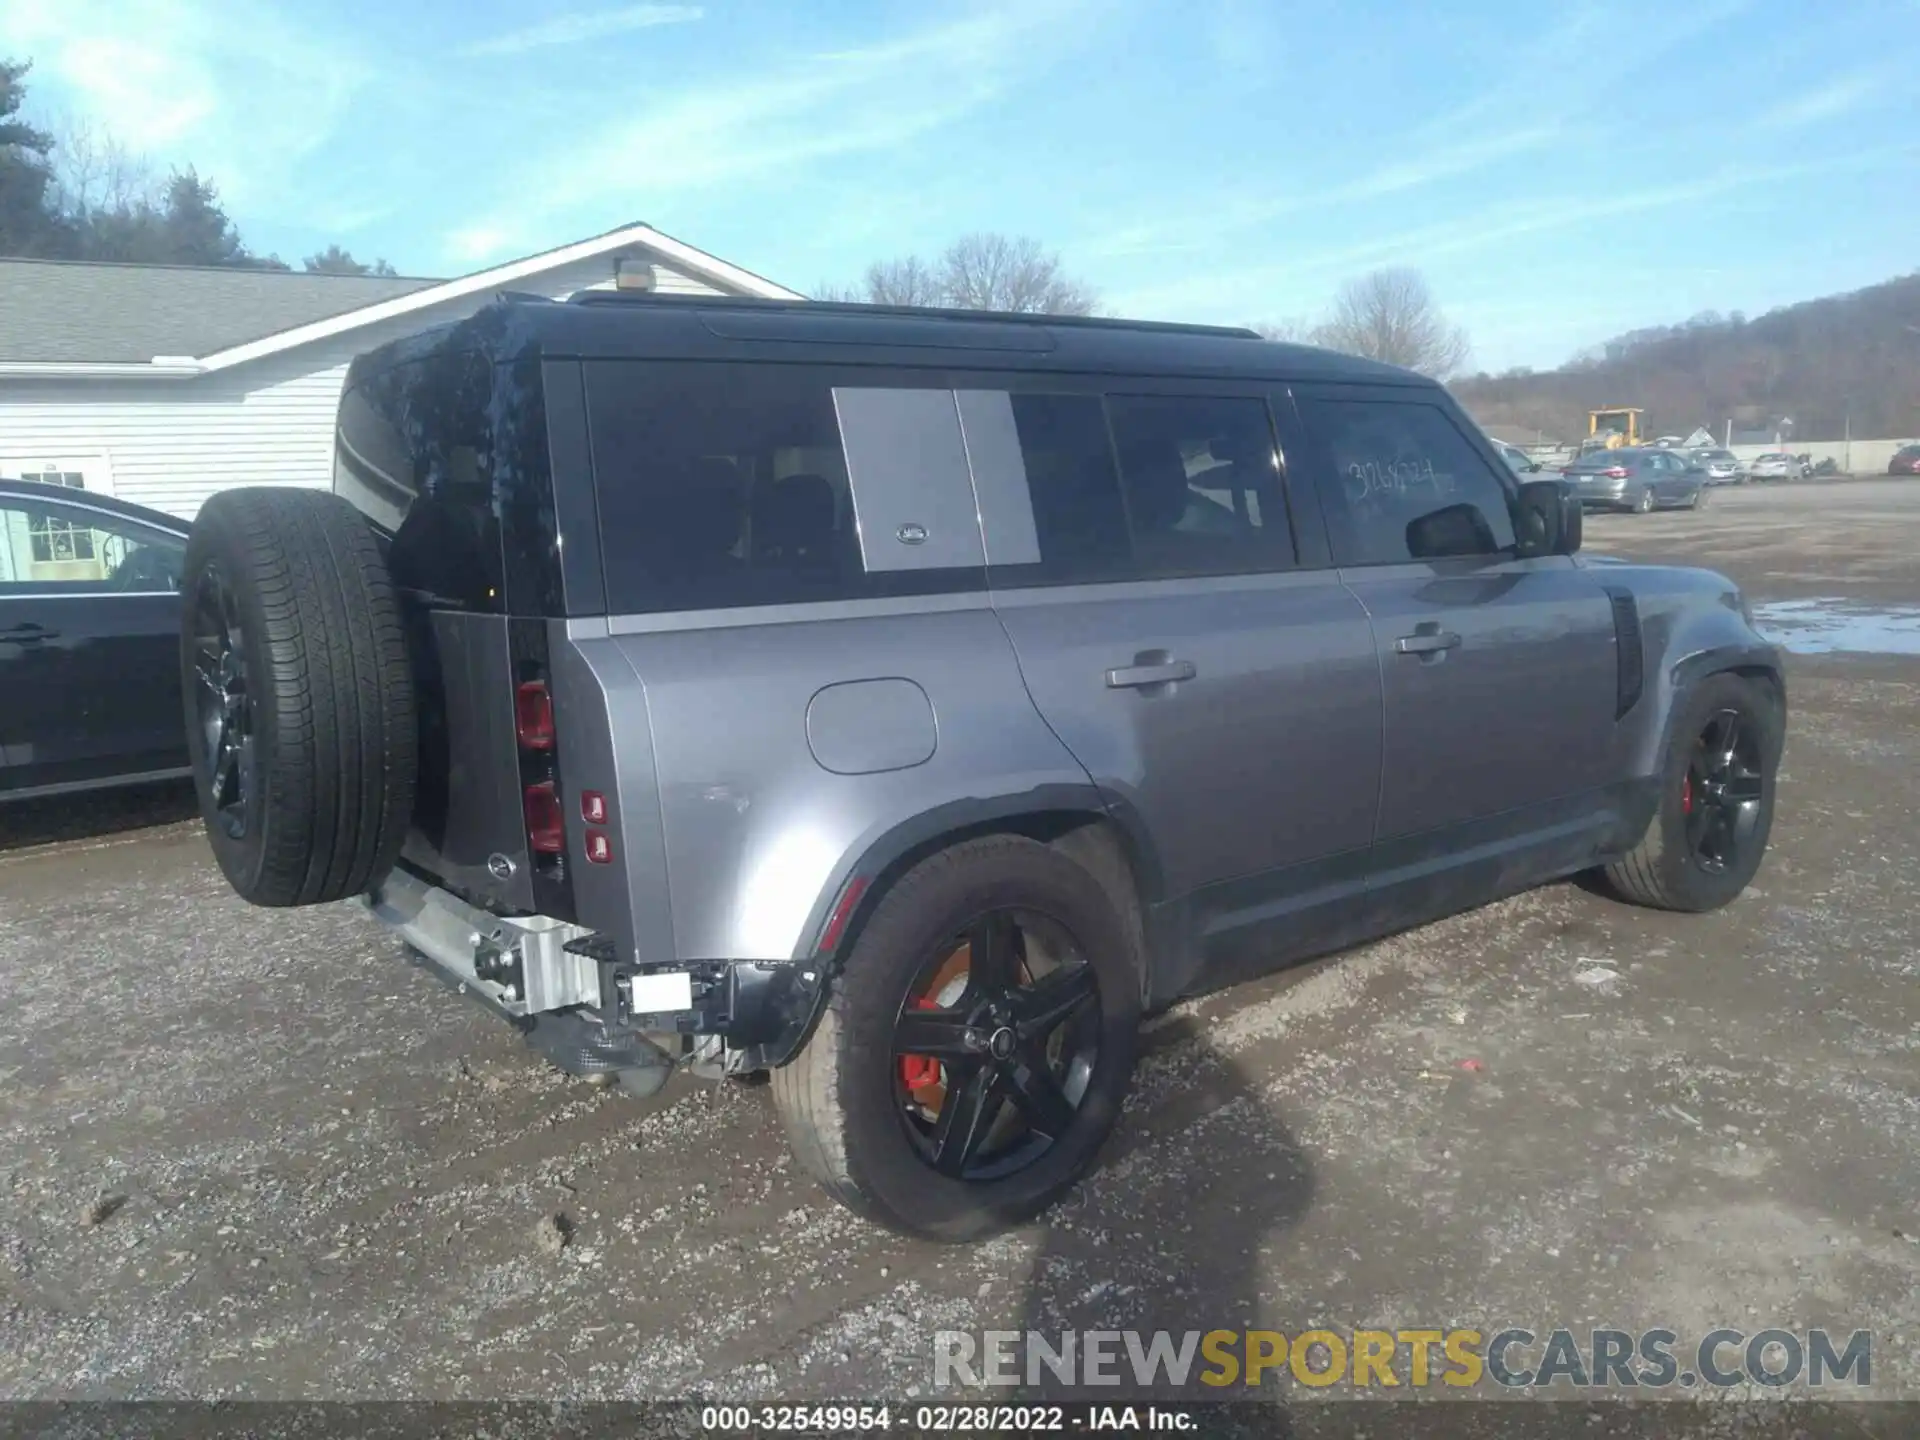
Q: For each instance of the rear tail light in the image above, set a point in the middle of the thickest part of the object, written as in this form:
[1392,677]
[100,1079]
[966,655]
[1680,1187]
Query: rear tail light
[593,807]
[599,848]
[546,827]
[533,715]
[1618,472]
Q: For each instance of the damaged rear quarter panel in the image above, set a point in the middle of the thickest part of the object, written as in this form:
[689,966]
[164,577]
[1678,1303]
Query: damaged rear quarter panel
[759,833]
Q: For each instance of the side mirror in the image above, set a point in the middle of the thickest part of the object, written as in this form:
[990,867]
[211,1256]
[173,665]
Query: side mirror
[1452,530]
[1548,519]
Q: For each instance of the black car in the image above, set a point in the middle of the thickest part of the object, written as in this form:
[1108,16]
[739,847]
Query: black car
[89,641]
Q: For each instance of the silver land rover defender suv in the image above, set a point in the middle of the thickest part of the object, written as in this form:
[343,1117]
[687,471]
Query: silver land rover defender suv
[903,702]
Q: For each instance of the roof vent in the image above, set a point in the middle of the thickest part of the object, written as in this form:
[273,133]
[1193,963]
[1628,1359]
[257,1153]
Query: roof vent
[634,275]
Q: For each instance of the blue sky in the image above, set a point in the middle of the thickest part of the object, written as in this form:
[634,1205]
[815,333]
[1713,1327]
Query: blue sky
[1560,174]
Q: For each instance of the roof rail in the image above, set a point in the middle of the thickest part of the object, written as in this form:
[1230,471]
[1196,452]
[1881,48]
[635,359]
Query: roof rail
[643,298]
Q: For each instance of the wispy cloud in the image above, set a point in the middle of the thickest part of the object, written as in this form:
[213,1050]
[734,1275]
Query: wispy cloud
[1476,135]
[1232,293]
[582,25]
[1838,96]
[874,98]
[238,89]
[1196,228]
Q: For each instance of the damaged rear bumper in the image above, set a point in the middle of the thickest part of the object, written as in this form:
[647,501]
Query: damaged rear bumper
[576,998]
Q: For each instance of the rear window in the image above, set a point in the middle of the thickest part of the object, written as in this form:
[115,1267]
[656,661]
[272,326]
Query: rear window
[413,452]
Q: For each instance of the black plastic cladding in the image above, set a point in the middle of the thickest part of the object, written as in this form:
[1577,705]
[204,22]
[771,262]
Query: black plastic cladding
[552,882]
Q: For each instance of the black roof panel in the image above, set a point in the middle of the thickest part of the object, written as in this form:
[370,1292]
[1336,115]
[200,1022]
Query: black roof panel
[600,325]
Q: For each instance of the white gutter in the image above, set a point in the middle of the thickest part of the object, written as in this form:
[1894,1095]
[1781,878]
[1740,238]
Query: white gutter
[504,277]
[91,370]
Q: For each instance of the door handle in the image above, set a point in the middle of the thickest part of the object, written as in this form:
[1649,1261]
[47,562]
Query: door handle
[1427,639]
[1133,677]
[28,634]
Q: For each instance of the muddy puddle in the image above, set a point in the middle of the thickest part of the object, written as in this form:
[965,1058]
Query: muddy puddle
[1832,626]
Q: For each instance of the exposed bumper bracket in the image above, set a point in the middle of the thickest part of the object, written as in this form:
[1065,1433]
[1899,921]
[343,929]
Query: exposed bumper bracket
[521,965]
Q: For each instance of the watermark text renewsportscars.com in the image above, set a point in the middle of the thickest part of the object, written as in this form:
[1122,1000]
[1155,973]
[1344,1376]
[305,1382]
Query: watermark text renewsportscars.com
[1452,1358]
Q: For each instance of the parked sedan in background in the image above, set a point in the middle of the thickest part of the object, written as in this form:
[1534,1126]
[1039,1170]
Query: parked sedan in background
[1905,461]
[1775,465]
[1517,459]
[89,641]
[1637,479]
[1722,467]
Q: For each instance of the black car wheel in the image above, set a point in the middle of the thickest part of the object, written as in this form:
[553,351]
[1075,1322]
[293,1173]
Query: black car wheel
[1714,808]
[220,704]
[1644,502]
[976,1046]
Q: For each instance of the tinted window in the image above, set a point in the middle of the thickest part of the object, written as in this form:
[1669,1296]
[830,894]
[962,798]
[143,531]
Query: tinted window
[1078,515]
[1402,483]
[1200,478]
[720,485]
[63,549]
[1144,487]
[413,452]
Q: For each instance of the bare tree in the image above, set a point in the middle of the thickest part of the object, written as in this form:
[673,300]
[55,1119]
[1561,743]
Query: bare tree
[1391,315]
[976,272]
[906,281]
[1291,329]
[984,271]
[95,173]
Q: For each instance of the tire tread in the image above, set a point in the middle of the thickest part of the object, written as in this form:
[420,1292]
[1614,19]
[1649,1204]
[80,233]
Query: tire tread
[334,708]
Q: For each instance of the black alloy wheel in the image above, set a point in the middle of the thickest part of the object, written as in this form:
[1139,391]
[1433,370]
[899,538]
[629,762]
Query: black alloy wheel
[994,1045]
[223,704]
[1722,791]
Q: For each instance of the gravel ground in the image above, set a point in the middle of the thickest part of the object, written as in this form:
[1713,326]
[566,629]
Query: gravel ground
[247,1153]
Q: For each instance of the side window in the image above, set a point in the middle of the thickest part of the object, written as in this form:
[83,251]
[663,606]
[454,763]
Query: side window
[720,485]
[1078,515]
[61,549]
[1400,482]
[1200,480]
[1151,487]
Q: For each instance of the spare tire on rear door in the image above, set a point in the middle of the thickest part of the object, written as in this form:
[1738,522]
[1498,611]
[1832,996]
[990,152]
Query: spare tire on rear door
[299,697]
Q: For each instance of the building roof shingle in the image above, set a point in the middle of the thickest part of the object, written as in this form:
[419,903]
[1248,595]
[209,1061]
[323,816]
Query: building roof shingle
[62,311]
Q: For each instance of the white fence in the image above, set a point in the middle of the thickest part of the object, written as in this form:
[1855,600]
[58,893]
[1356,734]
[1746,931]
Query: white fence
[1855,457]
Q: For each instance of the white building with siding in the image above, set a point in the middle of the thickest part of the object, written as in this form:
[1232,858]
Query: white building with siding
[162,384]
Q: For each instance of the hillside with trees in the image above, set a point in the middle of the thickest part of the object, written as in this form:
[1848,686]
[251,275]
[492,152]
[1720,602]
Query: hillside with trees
[1844,363]
[77,193]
